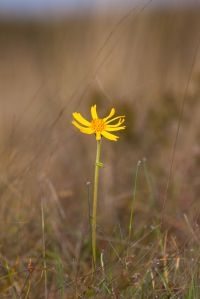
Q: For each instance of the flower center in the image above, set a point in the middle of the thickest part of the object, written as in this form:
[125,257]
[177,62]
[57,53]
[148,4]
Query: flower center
[98,125]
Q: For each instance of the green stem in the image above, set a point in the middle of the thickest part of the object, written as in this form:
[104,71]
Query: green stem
[44,251]
[94,212]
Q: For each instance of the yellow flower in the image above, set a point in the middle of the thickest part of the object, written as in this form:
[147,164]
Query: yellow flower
[99,126]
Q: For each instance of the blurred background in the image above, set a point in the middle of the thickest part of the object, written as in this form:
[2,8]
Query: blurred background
[56,57]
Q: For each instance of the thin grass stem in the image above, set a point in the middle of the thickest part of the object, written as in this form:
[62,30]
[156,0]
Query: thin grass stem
[44,251]
[149,183]
[133,201]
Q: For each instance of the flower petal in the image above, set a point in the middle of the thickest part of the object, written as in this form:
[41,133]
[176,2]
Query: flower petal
[82,129]
[94,112]
[112,112]
[87,131]
[121,121]
[117,117]
[111,129]
[78,117]
[109,136]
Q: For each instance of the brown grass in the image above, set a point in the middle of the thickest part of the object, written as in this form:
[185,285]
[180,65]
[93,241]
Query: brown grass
[51,69]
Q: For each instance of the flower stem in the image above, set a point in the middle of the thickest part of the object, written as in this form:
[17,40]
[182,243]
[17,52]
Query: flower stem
[94,212]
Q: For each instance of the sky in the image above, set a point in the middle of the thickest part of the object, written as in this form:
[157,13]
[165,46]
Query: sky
[40,7]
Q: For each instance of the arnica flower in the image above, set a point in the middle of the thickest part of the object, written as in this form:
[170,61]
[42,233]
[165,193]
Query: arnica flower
[99,126]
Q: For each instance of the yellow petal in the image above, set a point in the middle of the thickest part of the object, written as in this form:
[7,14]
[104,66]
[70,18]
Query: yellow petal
[109,136]
[111,129]
[117,117]
[94,112]
[87,131]
[78,117]
[82,129]
[112,112]
[121,121]
[77,125]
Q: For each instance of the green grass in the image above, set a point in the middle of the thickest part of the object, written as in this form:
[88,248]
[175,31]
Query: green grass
[151,261]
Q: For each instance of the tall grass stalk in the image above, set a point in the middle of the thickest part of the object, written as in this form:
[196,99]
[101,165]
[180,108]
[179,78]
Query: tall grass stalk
[149,183]
[133,200]
[44,251]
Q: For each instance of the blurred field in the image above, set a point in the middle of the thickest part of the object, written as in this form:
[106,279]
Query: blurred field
[140,64]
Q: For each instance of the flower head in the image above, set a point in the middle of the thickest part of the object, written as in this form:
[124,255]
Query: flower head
[99,126]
